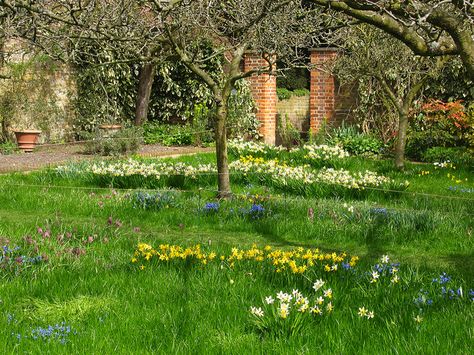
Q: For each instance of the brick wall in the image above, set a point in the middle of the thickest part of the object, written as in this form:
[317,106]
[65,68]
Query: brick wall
[323,88]
[264,92]
[327,100]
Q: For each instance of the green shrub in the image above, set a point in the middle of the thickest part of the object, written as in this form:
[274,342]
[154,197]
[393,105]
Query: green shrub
[355,142]
[202,125]
[301,92]
[439,124]
[242,119]
[8,148]
[294,78]
[125,141]
[457,155]
[241,122]
[285,94]
[167,134]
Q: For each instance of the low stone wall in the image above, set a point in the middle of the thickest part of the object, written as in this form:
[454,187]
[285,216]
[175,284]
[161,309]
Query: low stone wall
[295,110]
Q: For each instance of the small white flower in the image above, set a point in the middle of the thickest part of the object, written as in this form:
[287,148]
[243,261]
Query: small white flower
[256,311]
[318,284]
[328,293]
[284,297]
[384,259]
[269,300]
[284,310]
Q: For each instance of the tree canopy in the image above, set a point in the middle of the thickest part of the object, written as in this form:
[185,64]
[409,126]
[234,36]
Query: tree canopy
[144,31]
[428,27]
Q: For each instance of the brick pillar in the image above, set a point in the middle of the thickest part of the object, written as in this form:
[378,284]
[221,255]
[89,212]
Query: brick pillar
[323,88]
[264,93]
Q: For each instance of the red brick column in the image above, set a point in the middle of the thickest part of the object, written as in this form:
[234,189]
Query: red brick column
[323,88]
[264,93]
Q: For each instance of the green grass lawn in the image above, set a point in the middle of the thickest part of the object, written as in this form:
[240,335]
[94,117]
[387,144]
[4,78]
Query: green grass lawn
[89,232]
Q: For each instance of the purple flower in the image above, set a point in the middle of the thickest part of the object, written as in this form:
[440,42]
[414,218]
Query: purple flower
[256,211]
[211,207]
[443,278]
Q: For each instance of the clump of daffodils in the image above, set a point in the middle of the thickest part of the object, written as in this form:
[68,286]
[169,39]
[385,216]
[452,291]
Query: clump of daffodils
[444,165]
[240,147]
[292,261]
[324,152]
[168,253]
[312,152]
[384,270]
[275,171]
[282,174]
[156,170]
[288,312]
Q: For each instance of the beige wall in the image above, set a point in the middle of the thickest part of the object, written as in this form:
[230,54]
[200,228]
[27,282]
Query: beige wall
[296,109]
[39,96]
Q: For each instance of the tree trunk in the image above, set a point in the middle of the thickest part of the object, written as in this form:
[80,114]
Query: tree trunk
[465,43]
[223,180]
[401,139]
[145,83]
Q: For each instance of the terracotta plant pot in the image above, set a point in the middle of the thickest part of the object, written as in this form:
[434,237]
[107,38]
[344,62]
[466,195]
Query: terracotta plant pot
[108,130]
[27,139]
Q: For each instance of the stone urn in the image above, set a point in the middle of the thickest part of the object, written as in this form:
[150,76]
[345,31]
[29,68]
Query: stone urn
[27,139]
[109,130]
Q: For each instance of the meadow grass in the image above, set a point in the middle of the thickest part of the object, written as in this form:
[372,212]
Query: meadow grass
[89,235]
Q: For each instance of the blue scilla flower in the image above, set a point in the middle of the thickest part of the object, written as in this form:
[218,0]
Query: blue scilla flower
[58,332]
[380,211]
[10,318]
[257,209]
[471,295]
[461,189]
[211,207]
[346,266]
[423,299]
[443,278]
[379,268]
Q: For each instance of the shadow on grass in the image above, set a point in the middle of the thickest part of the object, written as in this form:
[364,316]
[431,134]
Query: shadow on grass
[463,264]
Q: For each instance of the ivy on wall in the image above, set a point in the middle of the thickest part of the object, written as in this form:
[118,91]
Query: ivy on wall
[35,97]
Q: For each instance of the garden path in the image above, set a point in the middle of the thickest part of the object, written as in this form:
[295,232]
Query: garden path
[53,155]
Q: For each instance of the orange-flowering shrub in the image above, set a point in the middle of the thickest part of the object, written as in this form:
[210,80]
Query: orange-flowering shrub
[454,112]
[439,124]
